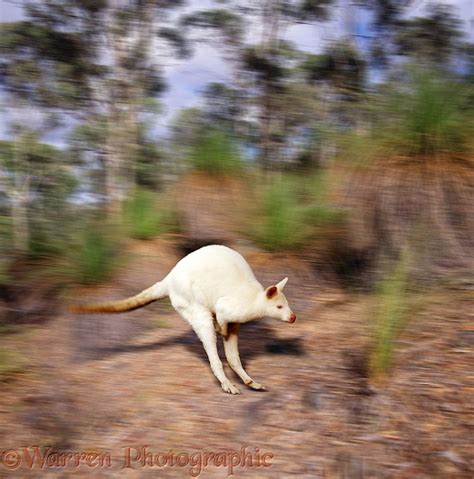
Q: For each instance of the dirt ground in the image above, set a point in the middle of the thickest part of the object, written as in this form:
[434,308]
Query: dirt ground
[105,383]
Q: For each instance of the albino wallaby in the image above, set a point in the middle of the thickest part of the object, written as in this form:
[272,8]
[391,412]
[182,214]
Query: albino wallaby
[213,289]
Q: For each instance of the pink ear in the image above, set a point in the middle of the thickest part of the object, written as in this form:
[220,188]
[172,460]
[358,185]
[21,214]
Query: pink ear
[271,291]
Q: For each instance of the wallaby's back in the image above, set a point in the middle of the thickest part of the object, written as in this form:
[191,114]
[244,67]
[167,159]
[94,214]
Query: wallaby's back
[213,271]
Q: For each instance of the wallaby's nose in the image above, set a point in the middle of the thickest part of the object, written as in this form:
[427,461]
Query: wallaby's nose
[292,318]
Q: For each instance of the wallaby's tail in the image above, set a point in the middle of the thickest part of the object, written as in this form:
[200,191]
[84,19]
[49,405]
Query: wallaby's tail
[157,291]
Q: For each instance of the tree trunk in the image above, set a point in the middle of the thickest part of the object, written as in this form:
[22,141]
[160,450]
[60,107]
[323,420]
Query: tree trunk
[270,28]
[21,234]
[125,90]
[113,187]
[19,196]
[265,139]
[115,148]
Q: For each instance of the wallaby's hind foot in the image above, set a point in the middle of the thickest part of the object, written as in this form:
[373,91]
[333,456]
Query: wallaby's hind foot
[254,385]
[232,354]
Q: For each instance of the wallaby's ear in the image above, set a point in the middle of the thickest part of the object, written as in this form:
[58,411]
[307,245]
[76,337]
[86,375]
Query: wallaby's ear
[271,291]
[282,284]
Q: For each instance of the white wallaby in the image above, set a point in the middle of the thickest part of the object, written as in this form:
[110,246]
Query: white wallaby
[213,289]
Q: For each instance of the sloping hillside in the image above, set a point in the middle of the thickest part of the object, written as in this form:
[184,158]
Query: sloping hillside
[104,383]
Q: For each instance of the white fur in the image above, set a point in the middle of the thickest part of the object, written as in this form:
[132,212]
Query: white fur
[214,288]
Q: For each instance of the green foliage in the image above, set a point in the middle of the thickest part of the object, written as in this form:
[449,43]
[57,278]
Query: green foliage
[51,217]
[26,44]
[291,211]
[434,37]
[340,65]
[280,224]
[37,185]
[145,217]
[222,21]
[94,254]
[323,216]
[268,69]
[148,161]
[177,40]
[311,10]
[391,312]
[428,118]
[215,153]
[95,245]
[426,114]
[319,213]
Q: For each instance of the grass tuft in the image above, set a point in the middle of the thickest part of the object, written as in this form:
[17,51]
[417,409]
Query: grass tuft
[391,312]
[429,117]
[291,211]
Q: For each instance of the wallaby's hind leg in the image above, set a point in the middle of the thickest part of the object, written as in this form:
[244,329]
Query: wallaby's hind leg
[202,322]
[231,348]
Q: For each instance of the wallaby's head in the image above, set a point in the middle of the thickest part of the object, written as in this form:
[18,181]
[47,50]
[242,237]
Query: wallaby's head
[276,305]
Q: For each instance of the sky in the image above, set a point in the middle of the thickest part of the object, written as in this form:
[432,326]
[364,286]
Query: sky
[186,79]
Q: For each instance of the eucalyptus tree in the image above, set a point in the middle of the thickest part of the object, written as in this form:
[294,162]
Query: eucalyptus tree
[340,70]
[36,182]
[434,38]
[97,62]
[252,34]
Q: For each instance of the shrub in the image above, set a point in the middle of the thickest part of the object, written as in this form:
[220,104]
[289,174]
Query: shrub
[95,253]
[215,153]
[146,218]
[280,224]
[291,211]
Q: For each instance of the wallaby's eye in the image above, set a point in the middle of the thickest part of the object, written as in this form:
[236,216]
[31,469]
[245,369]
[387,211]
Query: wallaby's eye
[279,306]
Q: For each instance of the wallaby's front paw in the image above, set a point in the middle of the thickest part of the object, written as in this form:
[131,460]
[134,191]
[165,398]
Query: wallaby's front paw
[228,387]
[221,328]
[254,385]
